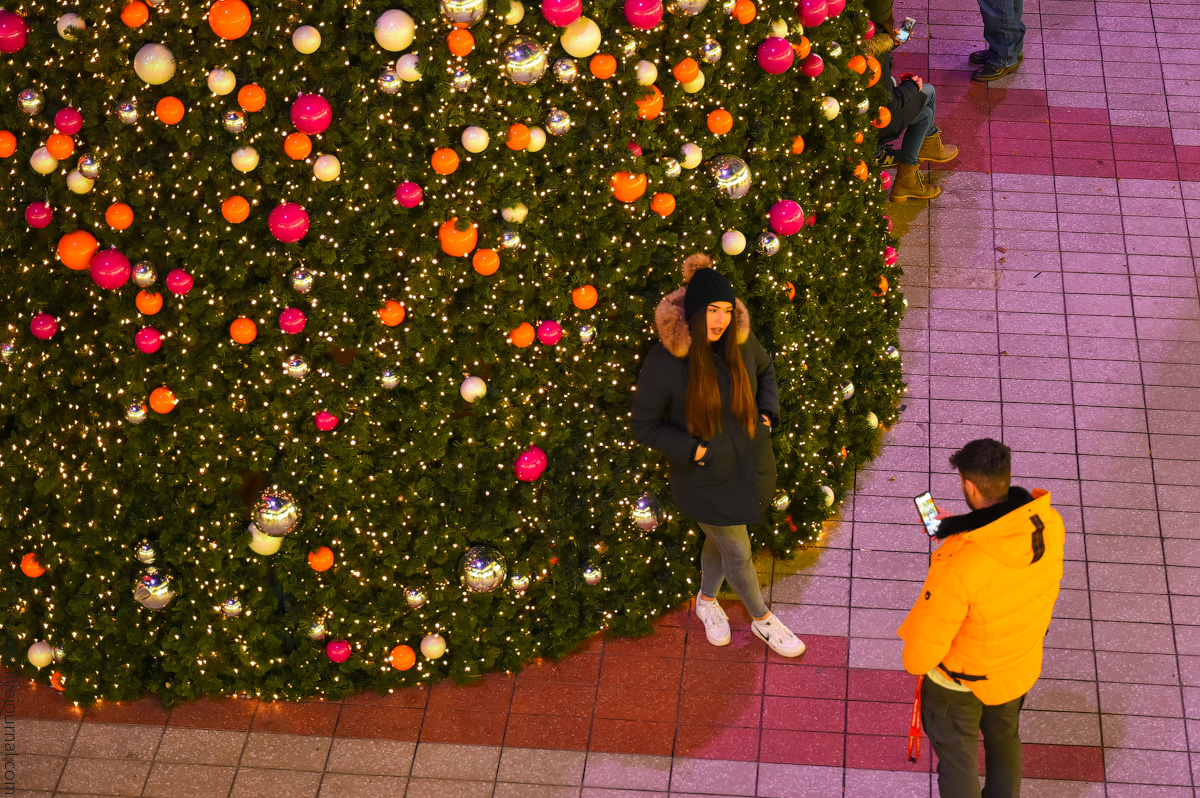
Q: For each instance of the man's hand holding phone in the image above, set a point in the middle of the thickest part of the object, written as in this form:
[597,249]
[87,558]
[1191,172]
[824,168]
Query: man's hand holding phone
[931,514]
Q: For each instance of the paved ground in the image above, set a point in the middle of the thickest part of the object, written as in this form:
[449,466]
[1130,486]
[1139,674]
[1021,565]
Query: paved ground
[1053,303]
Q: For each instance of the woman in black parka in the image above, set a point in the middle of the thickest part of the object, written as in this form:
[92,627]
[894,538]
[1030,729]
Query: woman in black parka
[710,409]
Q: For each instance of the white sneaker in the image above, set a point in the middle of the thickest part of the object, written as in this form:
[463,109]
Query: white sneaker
[780,638]
[716,622]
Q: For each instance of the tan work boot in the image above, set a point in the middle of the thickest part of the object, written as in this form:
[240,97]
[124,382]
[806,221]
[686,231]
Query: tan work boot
[910,182]
[932,149]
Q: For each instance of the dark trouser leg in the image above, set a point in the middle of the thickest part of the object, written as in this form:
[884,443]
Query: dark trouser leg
[1003,30]
[1002,749]
[951,721]
[733,545]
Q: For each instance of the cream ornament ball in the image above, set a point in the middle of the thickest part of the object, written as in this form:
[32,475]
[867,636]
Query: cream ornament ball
[647,73]
[42,161]
[695,85]
[408,67]
[394,30]
[779,28]
[433,646]
[475,139]
[516,13]
[830,108]
[733,242]
[306,39]
[40,654]
[261,543]
[327,168]
[154,64]
[537,139]
[472,389]
[221,81]
[582,38]
[78,183]
[70,26]
[244,159]
[872,421]
[515,213]
[692,155]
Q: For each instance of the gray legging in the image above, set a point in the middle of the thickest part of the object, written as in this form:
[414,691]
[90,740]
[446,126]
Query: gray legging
[726,555]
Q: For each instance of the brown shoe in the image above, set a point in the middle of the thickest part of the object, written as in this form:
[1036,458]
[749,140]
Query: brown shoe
[911,182]
[932,149]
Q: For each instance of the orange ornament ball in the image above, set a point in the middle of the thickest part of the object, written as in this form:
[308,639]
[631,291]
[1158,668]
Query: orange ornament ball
[523,335]
[169,110]
[162,400]
[321,559]
[119,216]
[628,187]
[791,290]
[876,70]
[861,171]
[243,330]
[802,48]
[60,146]
[251,97]
[798,145]
[518,137]
[486,261]
[720,122]
[135,14]
[663,204]
[457,243]
[31,567]
[858,137]
[857,64]
[297,146]
[75,249]
[603,66]
[686,70]
[585,297]
[883,286]
[392,313]
[148,302]
[744,11]
[8,143]
[444,161]
[236,209]
[403,658]
[650,106]
[460,42]
[229,19]
[884,119]
[58,681]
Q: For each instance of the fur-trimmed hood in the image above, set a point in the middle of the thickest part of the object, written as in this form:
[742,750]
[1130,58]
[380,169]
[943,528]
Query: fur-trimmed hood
[670,322]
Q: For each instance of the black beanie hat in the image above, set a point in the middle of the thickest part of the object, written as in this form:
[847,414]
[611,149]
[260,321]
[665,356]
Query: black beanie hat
[705,287]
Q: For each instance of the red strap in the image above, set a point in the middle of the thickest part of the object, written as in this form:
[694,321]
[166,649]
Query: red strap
[914,725]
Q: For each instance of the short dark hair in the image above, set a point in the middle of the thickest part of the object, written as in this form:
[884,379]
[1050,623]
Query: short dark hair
[987,463]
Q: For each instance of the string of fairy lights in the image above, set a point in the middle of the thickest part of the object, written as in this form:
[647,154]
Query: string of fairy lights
[320,336]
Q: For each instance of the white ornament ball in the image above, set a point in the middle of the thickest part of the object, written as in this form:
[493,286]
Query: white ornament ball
[42,161]
[408,67]
[78,183]
[647,73]
[830,107]
[581,38]
[70,25]
[516,13]
[306,39]
[692,155]
[872,421]
[779,28]
[475,139]
[827,492]
[154,63]
[733,242]
[473,388]
[394,30]
[433,646]
[221,81]
[537,139]
[263,544]
[327,168]
[515,213]
[41,654]
[244,159]
[696,85]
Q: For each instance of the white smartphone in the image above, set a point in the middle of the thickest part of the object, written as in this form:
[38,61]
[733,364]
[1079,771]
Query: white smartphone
[906,29]
[929,512]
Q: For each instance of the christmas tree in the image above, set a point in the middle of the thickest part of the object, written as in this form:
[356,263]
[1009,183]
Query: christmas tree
[320,321]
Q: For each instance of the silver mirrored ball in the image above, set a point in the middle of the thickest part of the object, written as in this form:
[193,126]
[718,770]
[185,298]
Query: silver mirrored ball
[7,350]
[415,597]
[781,501]
[834,49]
[557,122]
[671,167]
[510,239]
[846,391]
[647,511]
[587,333]
[135,414]
[461,80]
[295,366]
[144,274]
[31,101]
[520,582]
[302,280]
[711,51]
[464,12]
[232,607]
[389,379]
[154,589]
[389,82]
[234,121]
[145,553]
[316,629]
[89,166]
[276,513]
[592,575]
[127,112]
[767,244]
[482,569]
[731,176]
[565,70]
[524,60]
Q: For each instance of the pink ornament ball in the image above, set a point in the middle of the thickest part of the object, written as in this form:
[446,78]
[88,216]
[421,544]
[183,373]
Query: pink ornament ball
[179,282]
[13,32]
[885,180]
[292,320]
[812,66]
[775,55]
[337,650]
[889,256]
[549,332]
[644,14]
[530,464]
[812,12]
[68,121]
[43,326]
[311,114]
[409,194]
[634,147]
[562,13]
[870,34]
[834,7]
[39,214]
[325,420]
[110,269]
[787,217]
[148,340]
[811,219]
[888,219]
[288,222]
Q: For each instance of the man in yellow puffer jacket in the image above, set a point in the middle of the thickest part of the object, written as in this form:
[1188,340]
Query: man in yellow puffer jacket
[977,628]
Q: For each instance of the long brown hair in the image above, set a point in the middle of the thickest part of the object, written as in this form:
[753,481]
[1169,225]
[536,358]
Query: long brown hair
[703,392]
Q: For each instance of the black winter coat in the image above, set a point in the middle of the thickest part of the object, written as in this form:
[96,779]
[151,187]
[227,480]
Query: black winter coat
[736,478]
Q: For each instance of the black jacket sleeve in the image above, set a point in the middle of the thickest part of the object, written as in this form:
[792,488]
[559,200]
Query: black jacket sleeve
[767,394]
[650,421]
